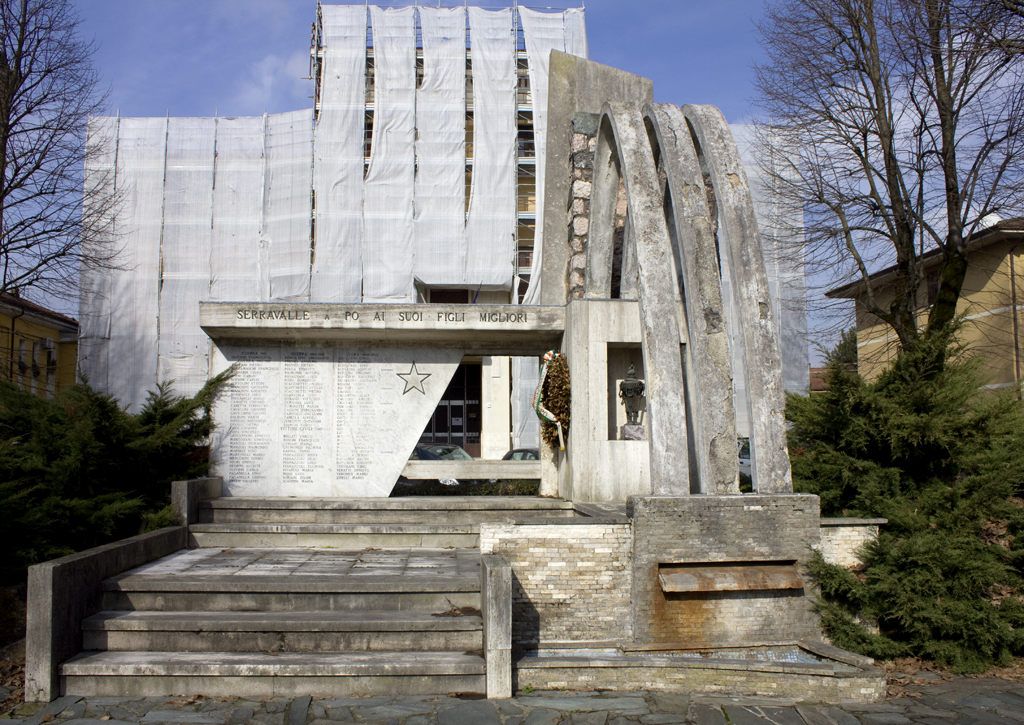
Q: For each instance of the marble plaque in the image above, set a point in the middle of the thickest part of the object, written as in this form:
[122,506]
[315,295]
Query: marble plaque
[308,419]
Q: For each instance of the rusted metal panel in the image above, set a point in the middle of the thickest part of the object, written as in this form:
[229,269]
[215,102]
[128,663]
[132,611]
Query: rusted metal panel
[729,577]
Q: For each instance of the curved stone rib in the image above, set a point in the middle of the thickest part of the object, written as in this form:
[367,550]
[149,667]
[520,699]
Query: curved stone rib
[622,147]
[601,231]
[711,393]
[741,242]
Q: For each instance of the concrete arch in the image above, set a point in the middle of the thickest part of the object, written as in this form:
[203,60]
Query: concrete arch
[710,387]
[623,152]
[743,265]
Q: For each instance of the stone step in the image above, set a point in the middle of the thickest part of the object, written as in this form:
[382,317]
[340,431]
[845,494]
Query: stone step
[252,674]
[410,503]
[127,631]
[349,536]
[406,510]
[369,592]
[290,515]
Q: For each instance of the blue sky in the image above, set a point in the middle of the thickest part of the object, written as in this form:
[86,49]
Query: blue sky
[241,57]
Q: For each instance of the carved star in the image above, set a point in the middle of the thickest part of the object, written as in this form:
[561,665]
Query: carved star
[414,380]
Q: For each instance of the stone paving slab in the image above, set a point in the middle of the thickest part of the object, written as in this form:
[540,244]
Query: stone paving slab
[216,563]
[960,701]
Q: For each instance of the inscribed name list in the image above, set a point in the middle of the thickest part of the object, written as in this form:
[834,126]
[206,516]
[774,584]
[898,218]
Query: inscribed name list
[324,419]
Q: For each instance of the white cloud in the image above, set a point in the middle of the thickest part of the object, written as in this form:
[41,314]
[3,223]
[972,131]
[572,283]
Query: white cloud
[274,83]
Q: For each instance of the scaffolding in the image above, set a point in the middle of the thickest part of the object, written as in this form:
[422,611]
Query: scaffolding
[526,166]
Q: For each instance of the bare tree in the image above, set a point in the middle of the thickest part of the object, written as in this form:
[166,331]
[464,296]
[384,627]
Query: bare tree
[48,90]
[903,128]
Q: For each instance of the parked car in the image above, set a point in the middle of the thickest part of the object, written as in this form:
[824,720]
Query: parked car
[437,452]
[522,454]
[743,444]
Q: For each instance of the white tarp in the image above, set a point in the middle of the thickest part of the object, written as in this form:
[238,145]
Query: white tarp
[525,423]
[338,162]
[490,227]
[185,253]
[135,284]
[782,245]
[237,205]
[98,243]
[440,188]
[287,209]
[576,33]
[542,33]
[388,188]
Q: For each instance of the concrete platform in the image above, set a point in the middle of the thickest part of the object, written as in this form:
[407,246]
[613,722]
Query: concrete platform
[300,580]
[803,670]
[333,535]
[263,674]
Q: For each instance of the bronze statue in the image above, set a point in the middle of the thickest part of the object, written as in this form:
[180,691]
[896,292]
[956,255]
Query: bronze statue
[631,392]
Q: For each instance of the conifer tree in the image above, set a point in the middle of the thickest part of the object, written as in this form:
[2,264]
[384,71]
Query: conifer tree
[926,447]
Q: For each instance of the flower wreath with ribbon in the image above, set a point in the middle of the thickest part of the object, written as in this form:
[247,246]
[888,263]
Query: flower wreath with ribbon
[538,402]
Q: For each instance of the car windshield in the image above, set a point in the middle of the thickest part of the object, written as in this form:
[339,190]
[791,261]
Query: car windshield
[449,453]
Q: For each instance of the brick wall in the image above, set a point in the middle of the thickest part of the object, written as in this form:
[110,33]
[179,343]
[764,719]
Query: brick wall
[720,529]
[570,581]
[841,539]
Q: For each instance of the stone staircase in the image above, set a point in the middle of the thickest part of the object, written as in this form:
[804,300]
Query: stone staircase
[301,596]
[439,522]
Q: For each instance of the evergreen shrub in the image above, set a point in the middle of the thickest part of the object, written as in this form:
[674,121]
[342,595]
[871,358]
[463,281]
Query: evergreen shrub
[77,471]
[926,447]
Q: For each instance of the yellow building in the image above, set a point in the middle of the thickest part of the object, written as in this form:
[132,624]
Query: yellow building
[991,301]
[38,347]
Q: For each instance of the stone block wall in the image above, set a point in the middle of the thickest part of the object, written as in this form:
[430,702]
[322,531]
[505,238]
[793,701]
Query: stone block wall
[841,539]
[581,172]
[721,529]
[570,581]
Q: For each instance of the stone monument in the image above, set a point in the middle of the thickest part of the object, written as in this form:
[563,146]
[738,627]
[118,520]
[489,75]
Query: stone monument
[653,551]
[329,400]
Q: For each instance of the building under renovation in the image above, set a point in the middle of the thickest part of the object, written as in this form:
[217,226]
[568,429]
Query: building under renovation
[415,177]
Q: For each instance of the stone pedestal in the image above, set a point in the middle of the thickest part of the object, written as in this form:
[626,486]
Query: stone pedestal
[744,556]
[632,433]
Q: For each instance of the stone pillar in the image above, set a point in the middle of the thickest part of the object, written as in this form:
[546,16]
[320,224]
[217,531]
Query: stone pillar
[496,609]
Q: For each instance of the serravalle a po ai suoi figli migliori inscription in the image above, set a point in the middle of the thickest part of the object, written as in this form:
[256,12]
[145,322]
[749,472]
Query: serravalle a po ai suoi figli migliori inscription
[453,316]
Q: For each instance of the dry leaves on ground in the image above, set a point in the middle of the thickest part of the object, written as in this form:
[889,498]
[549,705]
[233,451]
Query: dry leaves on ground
[12,674]
[905,671]
[1013,672]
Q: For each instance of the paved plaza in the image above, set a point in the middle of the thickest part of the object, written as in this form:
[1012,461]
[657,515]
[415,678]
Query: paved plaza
[406,562]
[934,701]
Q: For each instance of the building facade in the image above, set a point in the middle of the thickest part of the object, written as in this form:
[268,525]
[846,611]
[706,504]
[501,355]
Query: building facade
[39,347]
[990,302]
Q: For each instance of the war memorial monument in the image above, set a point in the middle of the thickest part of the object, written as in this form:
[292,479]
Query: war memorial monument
[349,277]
